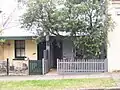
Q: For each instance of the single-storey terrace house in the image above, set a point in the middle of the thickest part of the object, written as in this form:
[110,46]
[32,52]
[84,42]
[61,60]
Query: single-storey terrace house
[19,45]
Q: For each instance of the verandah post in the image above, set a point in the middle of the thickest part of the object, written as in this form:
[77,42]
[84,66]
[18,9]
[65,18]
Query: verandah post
[43,66]
[7,66]
[28,67]
[57,66]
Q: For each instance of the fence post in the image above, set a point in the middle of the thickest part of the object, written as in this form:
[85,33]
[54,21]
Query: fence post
[43,66]
[106,65]
[28,67]
[7,66]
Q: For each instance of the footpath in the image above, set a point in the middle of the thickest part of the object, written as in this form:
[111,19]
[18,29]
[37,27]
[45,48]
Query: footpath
[114,76]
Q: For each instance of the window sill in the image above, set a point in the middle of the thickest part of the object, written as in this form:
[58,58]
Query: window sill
[19,59]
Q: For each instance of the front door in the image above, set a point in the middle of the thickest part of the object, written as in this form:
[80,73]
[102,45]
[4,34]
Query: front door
[57,52]
[40,49]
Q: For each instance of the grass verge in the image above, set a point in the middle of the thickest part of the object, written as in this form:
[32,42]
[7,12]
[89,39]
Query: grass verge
[56,84]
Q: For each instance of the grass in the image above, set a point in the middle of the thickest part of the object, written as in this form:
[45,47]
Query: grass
[56,84]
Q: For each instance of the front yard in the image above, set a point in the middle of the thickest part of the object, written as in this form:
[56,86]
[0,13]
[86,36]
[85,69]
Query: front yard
[56,84]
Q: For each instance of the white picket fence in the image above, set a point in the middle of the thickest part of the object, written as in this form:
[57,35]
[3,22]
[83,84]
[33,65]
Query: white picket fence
[65,66]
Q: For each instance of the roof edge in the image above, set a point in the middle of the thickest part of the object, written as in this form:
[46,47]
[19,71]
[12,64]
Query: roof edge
[17,37]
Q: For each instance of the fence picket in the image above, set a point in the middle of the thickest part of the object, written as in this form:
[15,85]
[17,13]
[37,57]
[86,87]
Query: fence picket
[83,65]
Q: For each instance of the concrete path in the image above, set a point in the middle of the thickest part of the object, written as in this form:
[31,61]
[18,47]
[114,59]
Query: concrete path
[50,77]
[115,76]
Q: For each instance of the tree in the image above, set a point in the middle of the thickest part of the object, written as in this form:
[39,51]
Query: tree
[87,22]
[0,28]
[4,26]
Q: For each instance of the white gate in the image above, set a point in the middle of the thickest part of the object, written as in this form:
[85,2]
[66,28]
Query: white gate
[65,66]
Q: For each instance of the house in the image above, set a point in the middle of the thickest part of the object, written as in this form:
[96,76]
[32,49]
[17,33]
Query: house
[17,46]
[20,46]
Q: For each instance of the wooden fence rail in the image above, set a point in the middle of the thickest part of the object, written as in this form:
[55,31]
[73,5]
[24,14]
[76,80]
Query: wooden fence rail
[83,65]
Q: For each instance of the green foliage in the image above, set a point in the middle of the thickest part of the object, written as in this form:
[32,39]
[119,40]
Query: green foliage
[2,42]
[0,30]
[87,19]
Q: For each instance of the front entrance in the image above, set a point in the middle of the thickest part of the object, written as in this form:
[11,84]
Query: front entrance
[40,49]
[54,52]
[57,51]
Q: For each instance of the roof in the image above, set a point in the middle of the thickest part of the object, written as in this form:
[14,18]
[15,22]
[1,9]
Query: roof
[115,1]
[16,33]
[16,37]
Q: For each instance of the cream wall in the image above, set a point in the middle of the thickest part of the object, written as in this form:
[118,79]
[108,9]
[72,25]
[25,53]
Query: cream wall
[8,51]
[31,49]
[1,53]
[113,53]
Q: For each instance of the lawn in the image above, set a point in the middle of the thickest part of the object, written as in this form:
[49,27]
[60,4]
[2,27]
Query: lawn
[56,84]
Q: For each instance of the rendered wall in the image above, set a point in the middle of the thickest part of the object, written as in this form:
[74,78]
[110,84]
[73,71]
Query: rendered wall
[8,50]
[31,49]
[113,53]
[67,48]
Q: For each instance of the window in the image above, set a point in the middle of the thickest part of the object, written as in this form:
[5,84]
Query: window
[19,48]
[117,11]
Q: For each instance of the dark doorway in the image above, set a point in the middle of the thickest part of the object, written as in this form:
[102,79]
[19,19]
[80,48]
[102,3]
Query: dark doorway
[57,51]
[40,48]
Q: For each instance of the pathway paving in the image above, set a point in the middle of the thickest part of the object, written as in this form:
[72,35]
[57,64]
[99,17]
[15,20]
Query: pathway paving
[50,77]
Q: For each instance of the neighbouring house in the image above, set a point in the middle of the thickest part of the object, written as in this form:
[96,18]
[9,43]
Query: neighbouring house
[113,53]
[17,46]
